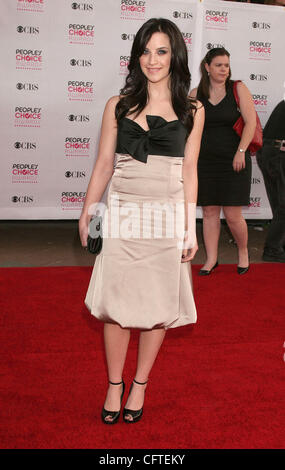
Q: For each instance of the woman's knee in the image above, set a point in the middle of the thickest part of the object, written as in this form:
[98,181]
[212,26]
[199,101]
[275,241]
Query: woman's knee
[233,215]
[211,212]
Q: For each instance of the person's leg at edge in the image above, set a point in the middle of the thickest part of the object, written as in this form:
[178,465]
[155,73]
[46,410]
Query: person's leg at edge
[149,346]
[211,234]
[116,341]
[238,228]
[275,240]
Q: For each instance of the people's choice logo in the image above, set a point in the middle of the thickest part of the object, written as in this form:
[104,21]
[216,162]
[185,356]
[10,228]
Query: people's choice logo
[36,6]
[260,102]
[27,116]
[216,19]
[260,50]
[255,202]
[29,59]
[80,90]
[188,40]
[77,146]
[133,9]
[72,200]
[81,34]
[25,172]
[124,63]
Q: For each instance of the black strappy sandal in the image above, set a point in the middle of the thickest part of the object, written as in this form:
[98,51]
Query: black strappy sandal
[135,414]
[114,414]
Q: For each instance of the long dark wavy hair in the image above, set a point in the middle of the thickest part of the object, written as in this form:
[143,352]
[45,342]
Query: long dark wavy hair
[203,90]
[134,95]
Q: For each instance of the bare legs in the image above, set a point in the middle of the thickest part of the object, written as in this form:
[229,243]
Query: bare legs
[116,346]
[211,233]
[238,227]
[149,345]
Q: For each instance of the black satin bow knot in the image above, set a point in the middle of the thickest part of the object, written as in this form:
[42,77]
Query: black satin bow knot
[162,138]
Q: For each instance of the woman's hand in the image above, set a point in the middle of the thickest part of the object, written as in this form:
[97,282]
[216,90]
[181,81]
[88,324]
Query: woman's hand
[239,161]
[83,230]
[190,248]
[188,254]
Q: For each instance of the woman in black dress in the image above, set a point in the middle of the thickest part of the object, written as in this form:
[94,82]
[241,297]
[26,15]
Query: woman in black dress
[224,166]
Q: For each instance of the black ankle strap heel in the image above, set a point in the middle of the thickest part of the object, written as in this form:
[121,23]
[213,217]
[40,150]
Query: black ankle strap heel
[113,414]
[139,383]
[116,383]
[135,414]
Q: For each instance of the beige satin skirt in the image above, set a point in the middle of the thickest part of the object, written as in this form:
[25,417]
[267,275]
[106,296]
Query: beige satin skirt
[138,280]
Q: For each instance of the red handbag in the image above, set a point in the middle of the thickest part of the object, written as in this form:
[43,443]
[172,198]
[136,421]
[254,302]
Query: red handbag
[238,126]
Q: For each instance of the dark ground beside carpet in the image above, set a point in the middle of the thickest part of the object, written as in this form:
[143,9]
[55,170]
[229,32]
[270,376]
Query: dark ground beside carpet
[56,243]
[217,384]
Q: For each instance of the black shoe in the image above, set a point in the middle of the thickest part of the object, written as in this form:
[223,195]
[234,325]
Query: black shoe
[206,272]
[114,414]
[241,270]
[275,257]
[135,414]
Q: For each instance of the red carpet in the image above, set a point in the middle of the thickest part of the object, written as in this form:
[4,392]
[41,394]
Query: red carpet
[219,384]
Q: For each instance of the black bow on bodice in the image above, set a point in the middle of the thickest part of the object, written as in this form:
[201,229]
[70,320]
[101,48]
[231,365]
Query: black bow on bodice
[163,138]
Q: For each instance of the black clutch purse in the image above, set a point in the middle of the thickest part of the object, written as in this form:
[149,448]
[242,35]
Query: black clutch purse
[95,235]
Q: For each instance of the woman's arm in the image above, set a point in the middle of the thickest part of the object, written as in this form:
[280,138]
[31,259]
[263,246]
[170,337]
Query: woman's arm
[190,179]
[104,166]
[249,116]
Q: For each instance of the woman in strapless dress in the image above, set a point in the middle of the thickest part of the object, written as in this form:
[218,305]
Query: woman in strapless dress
[149,147]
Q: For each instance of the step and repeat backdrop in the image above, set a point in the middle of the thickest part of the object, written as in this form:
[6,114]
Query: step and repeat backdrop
[62,60]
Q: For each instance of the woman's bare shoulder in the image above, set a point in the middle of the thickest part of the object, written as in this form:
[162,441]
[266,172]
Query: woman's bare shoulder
[112,102]
[243,90]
